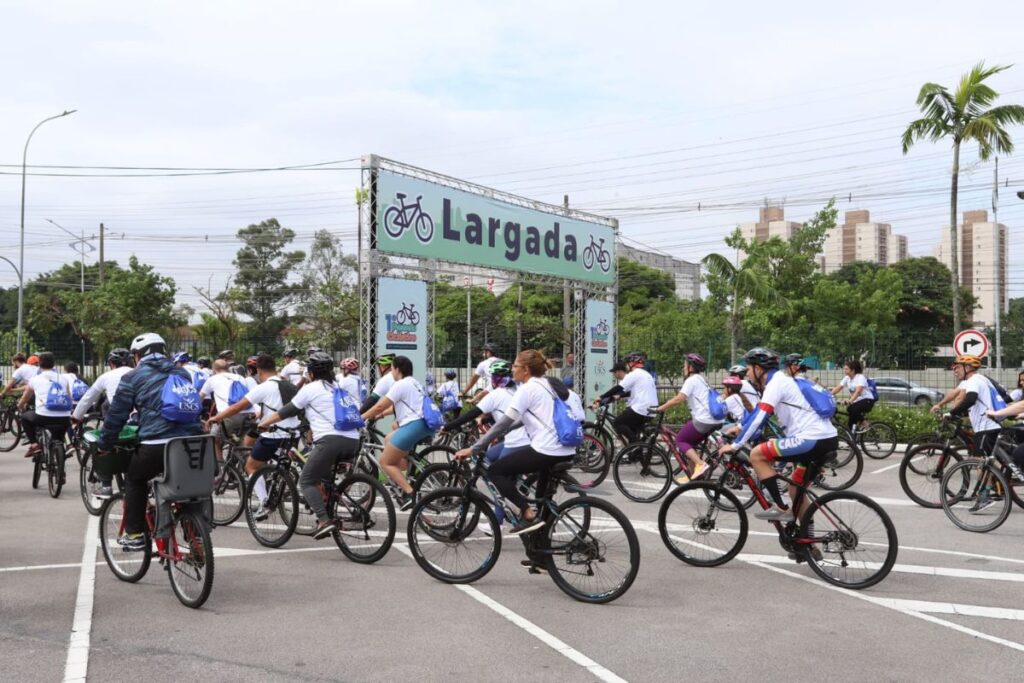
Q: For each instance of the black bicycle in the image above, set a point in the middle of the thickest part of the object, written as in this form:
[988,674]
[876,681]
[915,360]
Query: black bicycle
[10,425]
[977,493]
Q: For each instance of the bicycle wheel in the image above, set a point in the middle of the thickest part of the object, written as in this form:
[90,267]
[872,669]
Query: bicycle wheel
[464,552]
[271,521]
[642,472]
[367,516]
[591,462]
[855,540]
[10,431]
[37,469]
[436,454]
[129,566]
[601,434]
[439,476]
[836,475]
[878,441]
[228,496]
[702,524]
[55,468]
[190,567]
[921,472]
[975,495]
[86,480]
[847,449]
[591,550]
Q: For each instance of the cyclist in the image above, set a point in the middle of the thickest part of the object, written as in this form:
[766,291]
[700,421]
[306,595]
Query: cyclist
[861,399]
[697,393]
[495,405]
[77,384]
[292,370]
[406,396]
[481,377]
[141,390]
[270,394]
[204,371]
[105,386]
[1018,393]
[383,385]
[975,403]
[227,355]
[809,439]
[220,387]
[23,372]
[738,404]
[251,372]
[1012,410]
[747,389]
[533,405]
[641,394]
[349,380]
[52,407]
[451,406]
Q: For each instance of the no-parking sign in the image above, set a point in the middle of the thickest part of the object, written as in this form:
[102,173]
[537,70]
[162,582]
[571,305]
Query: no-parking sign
[972,343]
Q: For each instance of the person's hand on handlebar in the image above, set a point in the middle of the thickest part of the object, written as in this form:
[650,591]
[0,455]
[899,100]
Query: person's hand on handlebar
[463,454]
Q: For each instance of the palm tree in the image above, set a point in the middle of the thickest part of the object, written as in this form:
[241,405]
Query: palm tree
[964,115]
[748,286]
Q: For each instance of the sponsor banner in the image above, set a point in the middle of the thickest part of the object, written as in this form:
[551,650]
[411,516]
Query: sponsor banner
[402,321]
[600,348]
[419,218]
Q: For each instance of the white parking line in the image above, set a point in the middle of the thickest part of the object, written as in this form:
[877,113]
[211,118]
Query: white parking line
[77,663]
[954,608]
[1013,577]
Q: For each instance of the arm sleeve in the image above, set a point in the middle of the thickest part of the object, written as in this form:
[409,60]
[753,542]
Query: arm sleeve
[370,401]
[289,410]
[614,391]
[87,400]
[502,427]
[964,406]
[752,425]
[467,416]
[117,416]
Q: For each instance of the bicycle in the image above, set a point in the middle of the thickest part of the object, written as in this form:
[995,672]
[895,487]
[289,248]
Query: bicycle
[92,469]
[50,459]
[595,251]
[924,465]
[10,425]
[875,439]
[407,314]
[368,462]
[398,219]
[977,492]
[187,551]
[229,484]
[454,536]
[703,524]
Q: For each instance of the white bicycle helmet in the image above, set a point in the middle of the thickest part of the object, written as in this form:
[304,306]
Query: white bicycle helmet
[144,341]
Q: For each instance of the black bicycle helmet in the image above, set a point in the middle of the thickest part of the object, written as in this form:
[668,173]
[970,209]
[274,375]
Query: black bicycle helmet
[489,347]
[636,357]
[226,354]
[203,362]
[766,358]
[738,370]
[450,374]
[291,352]
[793,359]
[319,361]
[119,356]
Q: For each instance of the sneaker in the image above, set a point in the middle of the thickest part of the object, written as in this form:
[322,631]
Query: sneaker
[698,471]
[534,567]
[132,542]
[33,450]
[526,526]
[261,513]
[984,503]
[325,529]
[408,500]
[775,514]
[101,491]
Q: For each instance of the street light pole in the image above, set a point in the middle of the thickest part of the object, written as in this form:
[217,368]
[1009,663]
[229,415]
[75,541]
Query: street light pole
[21,257]
[82,244]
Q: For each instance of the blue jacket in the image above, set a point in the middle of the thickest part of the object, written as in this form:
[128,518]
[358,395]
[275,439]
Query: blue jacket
[140,389]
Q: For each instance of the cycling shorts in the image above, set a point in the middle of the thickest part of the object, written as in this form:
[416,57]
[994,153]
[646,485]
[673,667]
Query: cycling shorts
[799,449]
[407,436]
[264,449]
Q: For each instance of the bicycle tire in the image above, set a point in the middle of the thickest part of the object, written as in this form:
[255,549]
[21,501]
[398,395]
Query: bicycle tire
[363,517]
[118,559]
[882,439]
[696,506]
[93,505]
[591,461]
[588,256]
[391,214]
[966,478]
[37,470]
[836,476]
[595,552]
[194,570]
[55,469]
[842,540]
[652,474]
[283,511]
[429,553]
[10,431]
[440,526]
[439,476]
[918,481]
[599,433]
[228,496]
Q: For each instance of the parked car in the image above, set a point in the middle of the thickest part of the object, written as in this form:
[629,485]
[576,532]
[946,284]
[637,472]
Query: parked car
[904,392]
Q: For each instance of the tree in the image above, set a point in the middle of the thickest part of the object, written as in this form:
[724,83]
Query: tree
[925,314]
[641,286]
[330,304]
[221,326]
[964,115]
[261,285]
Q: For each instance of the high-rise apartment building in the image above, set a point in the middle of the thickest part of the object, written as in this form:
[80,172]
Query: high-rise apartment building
[983,259]
[685,273]
[771,223]
[858,239]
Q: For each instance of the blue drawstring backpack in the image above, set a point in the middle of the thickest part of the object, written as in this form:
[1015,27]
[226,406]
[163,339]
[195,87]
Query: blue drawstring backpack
[346,412]
[237,392]
[821,400]
[57,398]
[716,406]
[179,400]
[78,389]
[431,415]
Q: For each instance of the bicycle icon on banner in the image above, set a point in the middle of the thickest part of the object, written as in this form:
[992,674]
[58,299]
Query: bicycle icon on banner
[596,252]
[407,315]
[401,217]
[602,327]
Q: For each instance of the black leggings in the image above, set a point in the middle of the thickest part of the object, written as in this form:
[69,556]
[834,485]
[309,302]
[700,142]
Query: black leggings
[31,421]
[503,472]
[146,464]
[858,410]
[629,423]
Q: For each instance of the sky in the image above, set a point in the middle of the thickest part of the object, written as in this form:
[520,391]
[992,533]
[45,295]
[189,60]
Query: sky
[678,120]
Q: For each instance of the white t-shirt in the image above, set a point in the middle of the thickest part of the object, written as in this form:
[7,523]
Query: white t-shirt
[696,390]
[354,385]
[383,385]
[980,385]
[748,390]
[793,411]
[451,388]
[41,387]
[105,384]
[26,372]
[407,395]
[575,404]
[1017,394]
[219,386]
[496,404]
[736,409]
[483,368]
[268,394]
[858,381]
[535,407]
[317,399]
[251,382]
[292,371]
[643,394]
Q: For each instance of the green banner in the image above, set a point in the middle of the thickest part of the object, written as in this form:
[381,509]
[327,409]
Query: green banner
[419,218]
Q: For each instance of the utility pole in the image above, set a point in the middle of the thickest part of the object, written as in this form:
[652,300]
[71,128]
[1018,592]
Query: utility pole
[101,253]
[519,320]
[1000,265]
[566,308]
[469,328]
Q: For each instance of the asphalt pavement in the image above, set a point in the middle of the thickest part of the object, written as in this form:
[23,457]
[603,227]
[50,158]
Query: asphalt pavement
[952,608]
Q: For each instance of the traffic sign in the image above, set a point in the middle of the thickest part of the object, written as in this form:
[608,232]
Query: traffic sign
[971,342]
